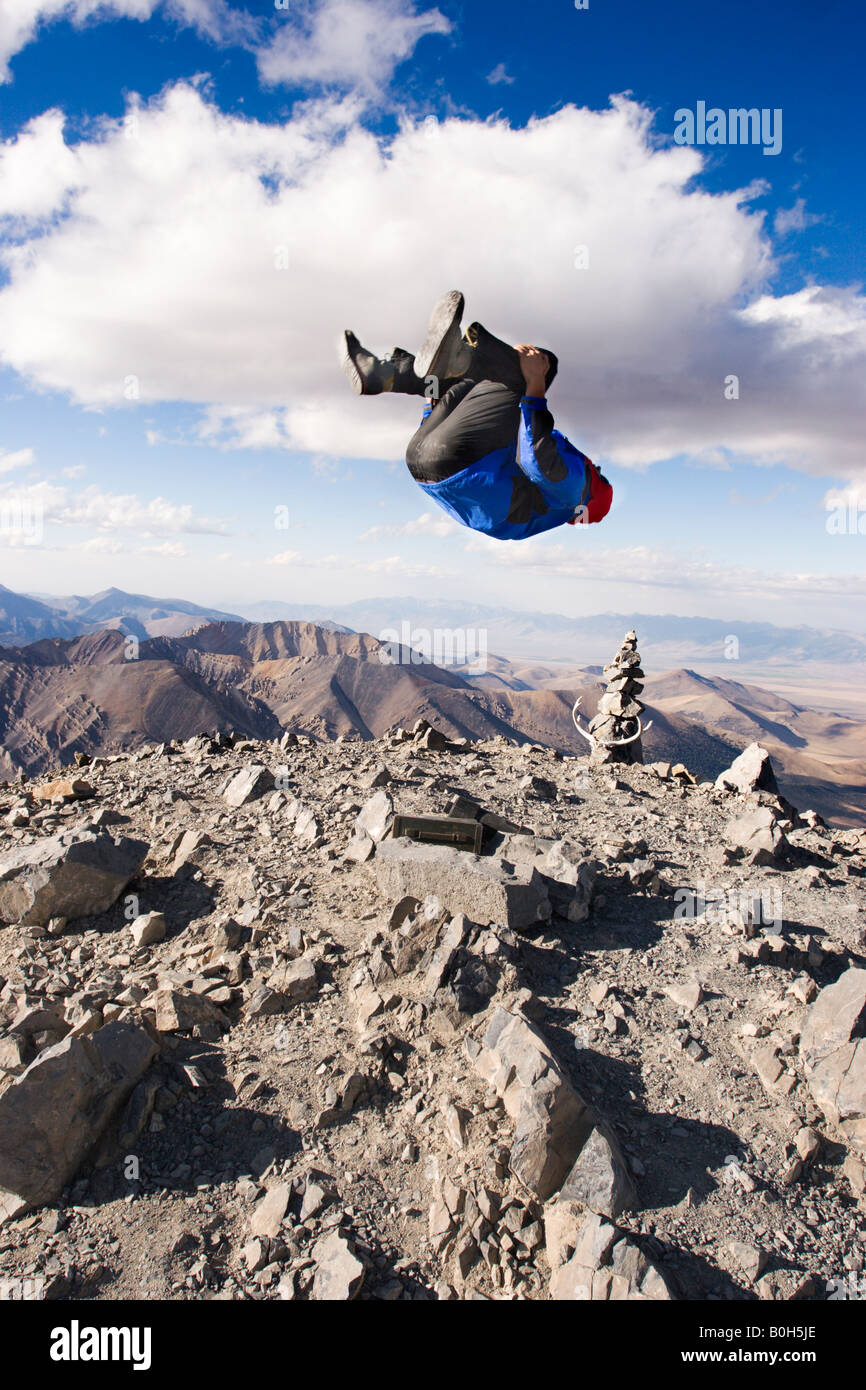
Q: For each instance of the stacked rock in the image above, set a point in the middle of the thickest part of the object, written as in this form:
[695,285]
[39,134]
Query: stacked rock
[619,709]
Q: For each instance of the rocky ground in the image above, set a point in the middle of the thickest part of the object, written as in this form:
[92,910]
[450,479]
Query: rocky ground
[252,1046]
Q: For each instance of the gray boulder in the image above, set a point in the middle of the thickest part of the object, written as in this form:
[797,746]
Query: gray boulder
[758,833]
[375,817]
[307,829]
[599,1178]
[833,1050]
[360,848]
[339,1273]
[553,1122]
[449,942]
[605,1265]
[296,981]
[149,928]
[76,875]
[267,1217]
[752,771]
[837,1015]
[180,1010]
[185,846]
[485,890]
[566,872]
[54,1113]
[248,785]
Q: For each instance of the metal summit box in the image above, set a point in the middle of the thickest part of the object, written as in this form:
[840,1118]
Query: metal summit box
[440,830]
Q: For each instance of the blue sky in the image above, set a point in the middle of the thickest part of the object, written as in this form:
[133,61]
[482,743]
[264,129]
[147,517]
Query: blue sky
[196,196]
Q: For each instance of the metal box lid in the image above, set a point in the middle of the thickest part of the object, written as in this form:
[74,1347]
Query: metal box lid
[440,830]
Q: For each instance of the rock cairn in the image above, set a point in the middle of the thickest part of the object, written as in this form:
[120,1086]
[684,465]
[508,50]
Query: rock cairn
[619,708]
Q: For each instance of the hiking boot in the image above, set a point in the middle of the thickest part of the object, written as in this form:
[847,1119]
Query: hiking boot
[444,353]
[370,375]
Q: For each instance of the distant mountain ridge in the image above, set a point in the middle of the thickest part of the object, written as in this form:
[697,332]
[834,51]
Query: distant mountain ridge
[536,636]
[24,619]
[666,640]
[27,618]
[84,694]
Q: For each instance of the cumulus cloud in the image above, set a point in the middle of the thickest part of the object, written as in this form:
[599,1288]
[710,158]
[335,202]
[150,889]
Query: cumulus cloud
[20,20]
[17,458]
[830,322]
[335,44]
[347,44]
[103,511]
[214,259]
[499,75]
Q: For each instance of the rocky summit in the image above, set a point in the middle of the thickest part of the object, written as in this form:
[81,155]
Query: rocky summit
[256,1045]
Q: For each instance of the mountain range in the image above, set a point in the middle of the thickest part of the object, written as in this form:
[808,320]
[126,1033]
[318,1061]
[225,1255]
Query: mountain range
[666,640]
[65,695]
[28,617]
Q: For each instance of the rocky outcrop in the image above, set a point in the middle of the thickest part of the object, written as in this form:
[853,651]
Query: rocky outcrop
[758,834]
[484,889]
[833,1049]
[552,1121]
[248,785]
[67,876]
[507,1066]
[593,1260]
[53,1115]
[752,771]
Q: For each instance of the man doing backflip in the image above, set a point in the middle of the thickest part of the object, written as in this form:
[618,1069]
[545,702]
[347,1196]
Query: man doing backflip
[486,450]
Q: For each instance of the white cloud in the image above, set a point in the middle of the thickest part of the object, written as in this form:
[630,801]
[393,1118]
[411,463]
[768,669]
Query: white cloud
[650,569]
[240,427]
[396,565]
[830,322]
[105,511]
[102,545]
[105,545]
[20,20]
[198,200]
[174,549]
[424,525]
[18,458]
[498,75]
[37,170]
[795,219]
[348,44]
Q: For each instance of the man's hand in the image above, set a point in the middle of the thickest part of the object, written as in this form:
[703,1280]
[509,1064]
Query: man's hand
[534,364]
